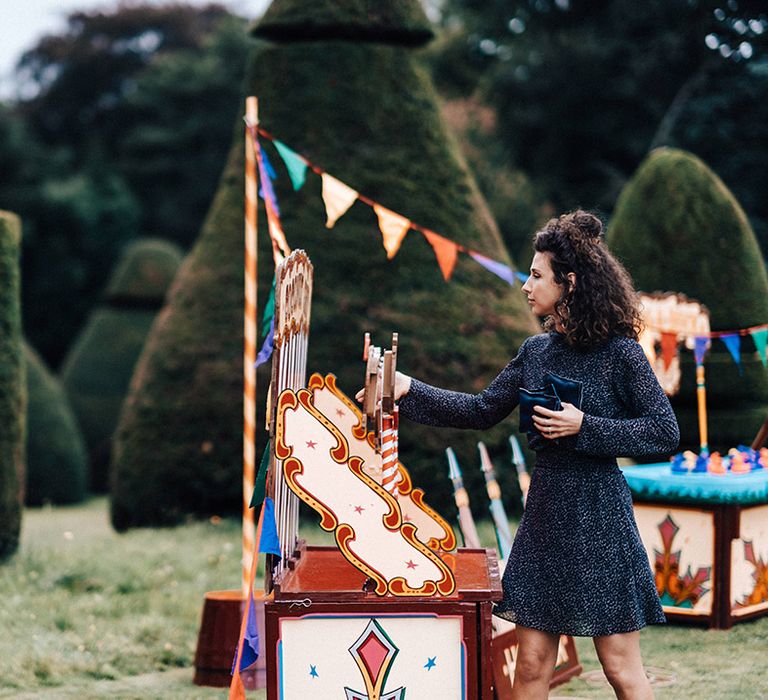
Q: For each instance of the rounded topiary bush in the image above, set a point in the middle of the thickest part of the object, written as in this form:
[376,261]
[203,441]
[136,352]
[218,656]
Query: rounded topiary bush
[57,462]
[97,370]
[677,227]
[179,443]
[13,396]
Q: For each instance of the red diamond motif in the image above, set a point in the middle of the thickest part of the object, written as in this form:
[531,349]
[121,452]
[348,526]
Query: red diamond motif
[373,653]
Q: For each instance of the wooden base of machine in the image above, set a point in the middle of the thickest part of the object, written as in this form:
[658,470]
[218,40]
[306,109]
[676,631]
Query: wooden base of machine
[327,635]
[217,640]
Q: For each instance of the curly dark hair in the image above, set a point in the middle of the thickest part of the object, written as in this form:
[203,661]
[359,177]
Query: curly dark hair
[603,302]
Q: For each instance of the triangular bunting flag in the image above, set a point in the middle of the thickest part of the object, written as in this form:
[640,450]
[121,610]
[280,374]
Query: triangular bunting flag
[269,343]
[296,165]
[250,653]
[269,542]
[266,175]
[733,343]
[393,229]
[668,348]
[497,268]
[260,486]
[277,235]
[338,197]
[760,337]
[701,345]
[269,311]
[445,251]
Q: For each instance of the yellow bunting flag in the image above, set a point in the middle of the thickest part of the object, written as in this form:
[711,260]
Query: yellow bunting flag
[338,197]
[445,251]
[393,229]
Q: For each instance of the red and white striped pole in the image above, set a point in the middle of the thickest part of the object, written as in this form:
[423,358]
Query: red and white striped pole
[389,453]
[249,349]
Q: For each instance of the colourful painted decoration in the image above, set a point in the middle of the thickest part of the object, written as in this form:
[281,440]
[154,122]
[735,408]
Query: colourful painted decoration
[370,657]
[331,480]
[749,563]
[374,653]
[673,589]
[431,529]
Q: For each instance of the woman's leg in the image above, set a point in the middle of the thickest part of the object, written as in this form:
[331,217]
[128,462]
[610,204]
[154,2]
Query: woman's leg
[620,656]
[535,663]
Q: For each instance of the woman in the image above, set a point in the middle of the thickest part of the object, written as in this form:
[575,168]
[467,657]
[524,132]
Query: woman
[577,566]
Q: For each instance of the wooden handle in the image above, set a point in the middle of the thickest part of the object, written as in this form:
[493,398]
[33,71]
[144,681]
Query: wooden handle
[761,437]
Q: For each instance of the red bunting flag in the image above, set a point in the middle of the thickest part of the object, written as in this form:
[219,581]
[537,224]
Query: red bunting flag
[393,229]
[446,252]
[668,348]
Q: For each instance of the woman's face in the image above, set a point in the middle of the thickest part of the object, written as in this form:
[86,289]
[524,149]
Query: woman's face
[541,289]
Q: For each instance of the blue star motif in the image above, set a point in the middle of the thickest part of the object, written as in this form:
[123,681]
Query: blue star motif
[430,663]
[313,671]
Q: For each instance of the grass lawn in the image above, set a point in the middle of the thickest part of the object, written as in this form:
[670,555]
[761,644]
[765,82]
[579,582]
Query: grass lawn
[88,613]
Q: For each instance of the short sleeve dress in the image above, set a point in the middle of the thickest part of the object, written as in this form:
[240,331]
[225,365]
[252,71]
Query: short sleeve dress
[577,565]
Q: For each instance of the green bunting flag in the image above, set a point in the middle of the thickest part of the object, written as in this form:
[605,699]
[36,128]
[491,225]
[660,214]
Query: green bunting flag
[269,311]
[296,165]
[760,337]
[260,487]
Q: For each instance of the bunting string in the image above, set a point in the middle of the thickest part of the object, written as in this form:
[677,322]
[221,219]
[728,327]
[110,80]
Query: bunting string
[339,197]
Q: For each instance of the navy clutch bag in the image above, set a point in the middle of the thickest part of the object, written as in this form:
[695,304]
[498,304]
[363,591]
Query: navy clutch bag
[529,399]
[567,390]
[556,389]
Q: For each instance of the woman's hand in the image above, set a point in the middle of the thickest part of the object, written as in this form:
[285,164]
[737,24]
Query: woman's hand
[558,424]
[402,386]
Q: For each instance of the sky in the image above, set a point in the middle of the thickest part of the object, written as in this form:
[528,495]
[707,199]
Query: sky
[25,21]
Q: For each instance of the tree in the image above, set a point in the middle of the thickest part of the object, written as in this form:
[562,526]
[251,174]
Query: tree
[678,228]
[121,130]
[583,89]
[99,365]
[13,397]
[179,443]
[57,462]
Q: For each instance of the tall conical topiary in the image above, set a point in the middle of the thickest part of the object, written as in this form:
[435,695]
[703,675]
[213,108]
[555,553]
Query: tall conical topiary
[57,462]
[365,113]
[13,396]
[677,227]
[98,368]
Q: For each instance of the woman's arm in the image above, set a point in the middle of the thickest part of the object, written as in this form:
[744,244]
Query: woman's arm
[430,405]
[653,428]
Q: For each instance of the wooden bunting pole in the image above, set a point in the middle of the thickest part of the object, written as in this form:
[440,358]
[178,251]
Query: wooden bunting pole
[249,348]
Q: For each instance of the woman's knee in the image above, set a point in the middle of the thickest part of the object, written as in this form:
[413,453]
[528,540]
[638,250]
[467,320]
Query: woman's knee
[534,667]
[624,676]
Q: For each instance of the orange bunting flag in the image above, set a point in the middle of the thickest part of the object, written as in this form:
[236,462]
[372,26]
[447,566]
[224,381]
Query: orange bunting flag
[279,242]
[445,251]
[393,229]
[668,348]
[338,197]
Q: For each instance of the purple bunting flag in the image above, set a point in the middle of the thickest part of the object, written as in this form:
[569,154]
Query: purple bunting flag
[266,190]
[250,640]
[700,348]
[499,269]
[269,343]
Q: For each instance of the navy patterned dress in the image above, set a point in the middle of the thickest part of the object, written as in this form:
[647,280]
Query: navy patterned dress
[577,565]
